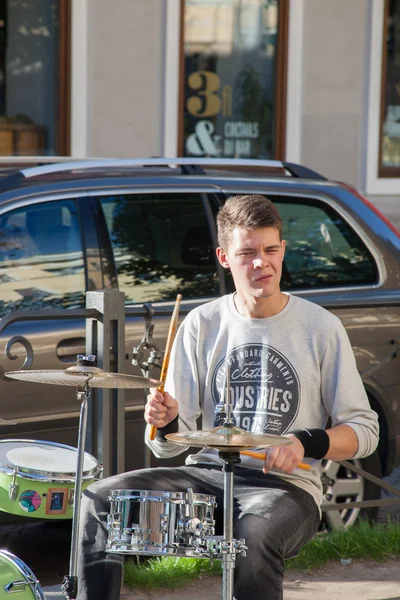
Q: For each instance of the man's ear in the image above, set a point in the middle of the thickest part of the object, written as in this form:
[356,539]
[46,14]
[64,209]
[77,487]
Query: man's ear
[222,257]
[283,249]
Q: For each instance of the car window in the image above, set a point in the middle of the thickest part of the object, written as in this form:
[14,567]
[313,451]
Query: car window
[162,246]
[322,248]
[41,258]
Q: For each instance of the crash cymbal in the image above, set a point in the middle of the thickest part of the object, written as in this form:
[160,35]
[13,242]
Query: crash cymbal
[80,375]
[227,437]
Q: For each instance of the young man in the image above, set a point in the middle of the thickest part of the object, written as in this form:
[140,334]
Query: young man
[291,370]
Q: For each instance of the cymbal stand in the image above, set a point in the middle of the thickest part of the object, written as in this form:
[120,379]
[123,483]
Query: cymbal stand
[226,548]
[229,460]
[69,585]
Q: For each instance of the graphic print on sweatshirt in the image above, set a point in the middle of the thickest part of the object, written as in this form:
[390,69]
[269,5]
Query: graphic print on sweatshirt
[264,389]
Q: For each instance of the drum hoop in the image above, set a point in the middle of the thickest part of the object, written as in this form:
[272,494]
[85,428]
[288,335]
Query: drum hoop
[48,476]
[151,495]
[26,572]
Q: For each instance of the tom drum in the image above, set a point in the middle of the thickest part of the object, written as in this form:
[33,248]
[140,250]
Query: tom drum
[159,523]
[37,478]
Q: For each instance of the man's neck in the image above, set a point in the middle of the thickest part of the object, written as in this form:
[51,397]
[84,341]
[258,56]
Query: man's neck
[260,308]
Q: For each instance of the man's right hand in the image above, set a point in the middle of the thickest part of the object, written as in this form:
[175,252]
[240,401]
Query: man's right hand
[160,409]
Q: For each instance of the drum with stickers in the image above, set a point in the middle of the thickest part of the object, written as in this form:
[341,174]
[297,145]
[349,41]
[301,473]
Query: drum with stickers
[17,578]
[37,478]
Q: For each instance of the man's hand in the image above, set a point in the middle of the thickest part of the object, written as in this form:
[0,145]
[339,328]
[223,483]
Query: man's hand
[284,458]
[160,408]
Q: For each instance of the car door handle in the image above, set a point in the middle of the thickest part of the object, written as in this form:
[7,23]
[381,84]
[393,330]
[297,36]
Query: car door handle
[67,350]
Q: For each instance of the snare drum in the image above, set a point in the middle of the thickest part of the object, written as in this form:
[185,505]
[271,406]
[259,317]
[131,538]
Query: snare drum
[158,523]
[17,578]
[37,478]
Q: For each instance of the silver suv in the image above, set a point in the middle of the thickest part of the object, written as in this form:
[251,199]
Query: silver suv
[147,227]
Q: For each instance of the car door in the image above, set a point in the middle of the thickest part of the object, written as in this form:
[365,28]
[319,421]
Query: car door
[43,250]
[163,243]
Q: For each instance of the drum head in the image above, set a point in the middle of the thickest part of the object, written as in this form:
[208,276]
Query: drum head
[45,457]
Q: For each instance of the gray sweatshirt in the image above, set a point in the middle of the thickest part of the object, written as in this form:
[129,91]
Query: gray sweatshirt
[290,371]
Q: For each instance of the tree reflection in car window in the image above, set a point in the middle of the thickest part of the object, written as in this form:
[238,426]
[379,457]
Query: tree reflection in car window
[162,246]
[41,258]
[322,249]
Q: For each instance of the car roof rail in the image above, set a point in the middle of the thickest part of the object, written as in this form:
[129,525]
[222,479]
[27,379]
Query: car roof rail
[192,170]
[149,162]
[300,171]
[188,165]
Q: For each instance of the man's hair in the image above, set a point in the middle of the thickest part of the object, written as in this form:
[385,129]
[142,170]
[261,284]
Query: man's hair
[250,211]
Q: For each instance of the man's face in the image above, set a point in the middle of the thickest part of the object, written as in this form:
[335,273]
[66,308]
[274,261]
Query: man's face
[255,258]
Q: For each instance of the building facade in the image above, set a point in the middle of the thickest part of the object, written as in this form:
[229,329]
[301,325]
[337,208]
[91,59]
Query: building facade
[310,81]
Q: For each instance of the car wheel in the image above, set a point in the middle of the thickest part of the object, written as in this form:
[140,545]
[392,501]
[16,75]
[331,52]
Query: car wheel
[341,485]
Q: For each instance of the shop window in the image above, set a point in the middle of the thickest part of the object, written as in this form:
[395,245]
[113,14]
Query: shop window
[390,109]
[234,76]
[34,77]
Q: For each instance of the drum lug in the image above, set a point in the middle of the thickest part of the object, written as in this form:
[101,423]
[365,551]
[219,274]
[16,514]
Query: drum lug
[164,523]
[15,586]
[113,519]
[216,547]
[190,526]
[136,531]
[13,487]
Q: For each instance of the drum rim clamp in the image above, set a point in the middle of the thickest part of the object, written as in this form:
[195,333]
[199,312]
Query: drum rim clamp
[13,488]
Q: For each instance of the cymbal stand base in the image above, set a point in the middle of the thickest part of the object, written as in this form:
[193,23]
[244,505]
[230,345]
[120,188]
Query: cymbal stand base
[229,460]
[69,585]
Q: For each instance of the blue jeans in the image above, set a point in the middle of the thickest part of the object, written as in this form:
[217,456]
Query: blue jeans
[274,517]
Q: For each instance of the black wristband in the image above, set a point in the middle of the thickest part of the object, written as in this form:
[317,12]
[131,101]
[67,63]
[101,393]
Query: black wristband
[315,442]
[172,427]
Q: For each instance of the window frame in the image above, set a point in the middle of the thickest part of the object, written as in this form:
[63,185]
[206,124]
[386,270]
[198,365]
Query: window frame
[63,143]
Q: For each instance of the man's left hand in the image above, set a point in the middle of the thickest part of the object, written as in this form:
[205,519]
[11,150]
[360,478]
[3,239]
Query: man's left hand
[284,458]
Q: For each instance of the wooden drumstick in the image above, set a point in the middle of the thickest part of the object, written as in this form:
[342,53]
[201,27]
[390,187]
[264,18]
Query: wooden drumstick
[170,339]
[261,456]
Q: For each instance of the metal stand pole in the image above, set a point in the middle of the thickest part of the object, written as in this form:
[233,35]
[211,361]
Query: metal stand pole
[70,582]
[229,460]
[105,338]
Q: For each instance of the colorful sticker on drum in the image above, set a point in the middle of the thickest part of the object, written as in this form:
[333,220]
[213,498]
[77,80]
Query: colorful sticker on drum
[56,503]
[30,501]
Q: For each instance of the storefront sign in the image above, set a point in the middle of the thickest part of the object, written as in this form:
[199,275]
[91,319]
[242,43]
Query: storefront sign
[211,127]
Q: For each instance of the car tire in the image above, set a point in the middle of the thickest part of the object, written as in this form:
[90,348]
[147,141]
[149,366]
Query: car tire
[340,484]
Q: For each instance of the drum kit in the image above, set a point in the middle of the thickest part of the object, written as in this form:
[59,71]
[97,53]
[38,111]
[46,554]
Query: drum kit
[38,479]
